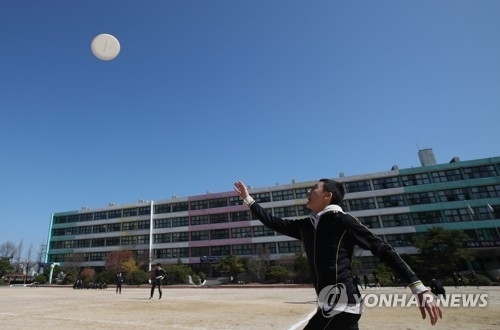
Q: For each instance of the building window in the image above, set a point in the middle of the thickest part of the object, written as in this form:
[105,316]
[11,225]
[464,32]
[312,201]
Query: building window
[126,226]
[113,227]
[98,242]
[287,211]
[221,250]
[198,205]
[112,241]
[87,217]
[162,238]
[235,200]
[180,221]
[390,201]
[399,239]
[142,239]
[219,234]
[259,231]
[114,214]
[421,198]
[242,249]
[446,176]
[180,252]
[73,218]
[262,197]
[370,222]
[180,237]
[396,220]
[421,218]
[129,240]
[486,191]
[143,224]
[201,235]
[386,183]
[162,223]
[60,219]
[99,229]
[302,210]
[83,243]
[100,215]
[130,212]
[199,220]
[144,210]
[241,232]
[96,256]
[480,172]
[162,253]
[458,215]
[239,216]
[82,230]
[301,193]
[163,208]
[362,204]
[217,202]
[290,247]
[451,195]
[180,207]
[200,251]
[357,186]
[415,179]
[282,195]
[219,218]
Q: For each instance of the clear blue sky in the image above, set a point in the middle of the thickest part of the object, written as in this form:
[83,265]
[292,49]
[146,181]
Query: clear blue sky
[207,92]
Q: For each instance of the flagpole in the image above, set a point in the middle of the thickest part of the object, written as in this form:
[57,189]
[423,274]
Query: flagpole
[490,211]
[471,212]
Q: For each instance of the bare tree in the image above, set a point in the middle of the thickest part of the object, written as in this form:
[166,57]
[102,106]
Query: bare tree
[29,259]
[8,250]
[257,265]
[16,261]
[40,257]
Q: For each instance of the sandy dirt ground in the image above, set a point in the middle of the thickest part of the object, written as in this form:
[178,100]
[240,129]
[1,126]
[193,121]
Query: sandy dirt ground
[214,308]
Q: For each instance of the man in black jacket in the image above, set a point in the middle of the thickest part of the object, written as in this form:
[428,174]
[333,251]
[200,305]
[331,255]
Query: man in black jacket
[157,276]
[328,237]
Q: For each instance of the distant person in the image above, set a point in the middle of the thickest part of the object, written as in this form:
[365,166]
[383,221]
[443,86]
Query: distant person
[455,279]
[158,275]
[461,280]
[377,280]
[437,288]
[473,279]
[365,280]
[329,236]
[119,281]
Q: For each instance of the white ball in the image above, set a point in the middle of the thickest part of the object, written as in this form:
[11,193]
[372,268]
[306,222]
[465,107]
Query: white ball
[105,47]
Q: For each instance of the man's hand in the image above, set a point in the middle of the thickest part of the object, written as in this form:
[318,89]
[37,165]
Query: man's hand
[427,303]
[241,189]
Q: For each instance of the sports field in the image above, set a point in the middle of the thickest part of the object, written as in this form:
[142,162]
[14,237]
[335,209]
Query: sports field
[213,308]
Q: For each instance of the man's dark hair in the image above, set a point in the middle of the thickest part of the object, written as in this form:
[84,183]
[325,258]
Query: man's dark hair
[336,188]
[158,264]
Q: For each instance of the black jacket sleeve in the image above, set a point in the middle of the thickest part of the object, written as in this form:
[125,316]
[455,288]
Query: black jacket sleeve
[365,239]
[283,226]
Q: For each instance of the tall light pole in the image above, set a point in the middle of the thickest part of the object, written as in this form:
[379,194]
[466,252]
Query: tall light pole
[151,233]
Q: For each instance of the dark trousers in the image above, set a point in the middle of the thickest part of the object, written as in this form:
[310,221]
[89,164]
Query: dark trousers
[341,321]
[155,283]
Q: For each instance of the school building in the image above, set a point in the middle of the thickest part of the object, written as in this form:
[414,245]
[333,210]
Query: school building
[198,230]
